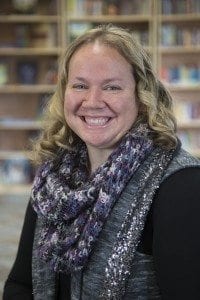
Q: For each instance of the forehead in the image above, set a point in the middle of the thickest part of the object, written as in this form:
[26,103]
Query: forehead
[100,55]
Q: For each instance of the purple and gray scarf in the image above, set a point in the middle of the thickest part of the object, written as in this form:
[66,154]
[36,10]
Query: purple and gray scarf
[74,205]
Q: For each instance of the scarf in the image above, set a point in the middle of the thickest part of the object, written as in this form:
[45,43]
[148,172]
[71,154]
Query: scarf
[74,206]
[146,183]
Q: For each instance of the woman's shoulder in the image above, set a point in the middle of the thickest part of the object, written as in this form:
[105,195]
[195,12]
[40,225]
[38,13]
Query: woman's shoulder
[180,184]
[181,160]
[178,196]
[176,228]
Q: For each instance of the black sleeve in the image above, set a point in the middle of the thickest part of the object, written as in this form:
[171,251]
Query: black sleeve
[18,285]
[176,235]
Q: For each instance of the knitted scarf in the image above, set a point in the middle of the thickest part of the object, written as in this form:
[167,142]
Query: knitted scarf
[74,206]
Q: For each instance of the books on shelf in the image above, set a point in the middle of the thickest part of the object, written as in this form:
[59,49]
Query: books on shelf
[135,7]
[22,36]
[183,74]
[28,35]
[43,35]
[51,72]
[85,7]
[103,7]
[187,111]
[3,72]
[173,35]
[141,36]
[27,72]
[15,171]
[180,6]
[76,29]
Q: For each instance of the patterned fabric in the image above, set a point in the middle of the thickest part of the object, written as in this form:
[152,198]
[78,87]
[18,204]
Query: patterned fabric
[120,262]
[74,207]
[87,283]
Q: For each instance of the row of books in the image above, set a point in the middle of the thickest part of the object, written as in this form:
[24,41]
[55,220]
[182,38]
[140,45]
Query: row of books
[27,72]
[172,35]
[190,139]
[27,35]
[187,111]
[20,171]
[76,29]
[28,7]
[180,6]
[181,74]
[110,7]
[15,171]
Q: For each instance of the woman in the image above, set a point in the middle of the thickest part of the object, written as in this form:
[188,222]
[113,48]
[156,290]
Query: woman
[114,204]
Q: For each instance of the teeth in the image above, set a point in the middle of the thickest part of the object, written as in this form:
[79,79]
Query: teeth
[96,121]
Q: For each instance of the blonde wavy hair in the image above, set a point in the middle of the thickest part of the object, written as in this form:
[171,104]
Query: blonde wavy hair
[155,102]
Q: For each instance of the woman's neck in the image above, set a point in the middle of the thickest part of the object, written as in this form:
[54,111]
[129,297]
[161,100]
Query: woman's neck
[97,157]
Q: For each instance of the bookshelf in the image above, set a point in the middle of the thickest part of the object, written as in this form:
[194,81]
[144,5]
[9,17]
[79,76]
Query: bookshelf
[32,41]
[30,45]
[136,15]
[179,64]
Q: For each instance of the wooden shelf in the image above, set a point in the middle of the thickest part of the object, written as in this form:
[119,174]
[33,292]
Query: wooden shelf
[110,19]
[180,17]
[31,97]
[15,189]
[179,50]
[13,154]
[183,88]
[24,89]
[28,51]
[20,125]
[29,19]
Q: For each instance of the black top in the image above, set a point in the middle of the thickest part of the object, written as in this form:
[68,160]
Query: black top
[171,234]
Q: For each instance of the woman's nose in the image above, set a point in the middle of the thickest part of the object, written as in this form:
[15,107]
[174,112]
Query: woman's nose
[93,98]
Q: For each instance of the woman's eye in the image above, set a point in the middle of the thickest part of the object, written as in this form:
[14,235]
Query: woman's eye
[79,86]
[112,88]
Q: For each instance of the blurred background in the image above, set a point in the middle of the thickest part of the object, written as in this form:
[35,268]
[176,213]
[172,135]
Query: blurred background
[33,36]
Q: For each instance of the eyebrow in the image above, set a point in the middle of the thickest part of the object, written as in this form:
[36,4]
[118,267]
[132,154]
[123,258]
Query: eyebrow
[104,81]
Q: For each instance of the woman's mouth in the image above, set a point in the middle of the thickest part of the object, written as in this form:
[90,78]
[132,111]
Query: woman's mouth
[96,121]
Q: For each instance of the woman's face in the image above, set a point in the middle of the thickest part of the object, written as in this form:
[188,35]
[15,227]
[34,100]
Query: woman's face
[100,103]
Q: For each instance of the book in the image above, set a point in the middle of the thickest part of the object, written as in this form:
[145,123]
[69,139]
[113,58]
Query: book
[77,29]
[4,68]
[180,6]
[183,74]
[27,72]
[179,35]
[187,111]
[15,171]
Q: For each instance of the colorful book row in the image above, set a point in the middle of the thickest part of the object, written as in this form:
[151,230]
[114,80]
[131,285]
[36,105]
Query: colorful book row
[15,171]
[76,29]
[187,111]
[180,6]
[103,7]
[181,74]
[172,35]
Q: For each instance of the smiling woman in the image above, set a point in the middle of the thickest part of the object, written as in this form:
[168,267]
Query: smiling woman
[109,216]
[100,103]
